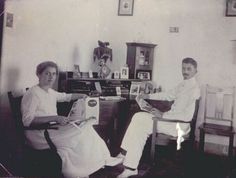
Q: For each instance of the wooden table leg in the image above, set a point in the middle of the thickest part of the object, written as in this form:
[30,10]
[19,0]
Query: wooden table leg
[231,143]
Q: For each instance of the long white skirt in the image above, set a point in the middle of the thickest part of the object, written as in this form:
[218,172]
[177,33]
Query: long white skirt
[82,150]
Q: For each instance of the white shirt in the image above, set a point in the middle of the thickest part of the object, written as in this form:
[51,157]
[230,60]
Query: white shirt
[184,96]
[75,147]
[38,102]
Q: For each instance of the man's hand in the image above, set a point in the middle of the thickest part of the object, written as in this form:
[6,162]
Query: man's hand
[62,120]
[82,96]
[142,96]
[156,112]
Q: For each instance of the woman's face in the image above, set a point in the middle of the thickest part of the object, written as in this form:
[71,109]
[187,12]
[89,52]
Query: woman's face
[48,76]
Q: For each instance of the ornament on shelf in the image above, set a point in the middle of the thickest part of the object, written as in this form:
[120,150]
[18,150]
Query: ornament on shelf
[102,54]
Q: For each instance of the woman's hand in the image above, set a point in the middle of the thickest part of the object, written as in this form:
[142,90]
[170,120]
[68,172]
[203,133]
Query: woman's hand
[62,120]
[76,96]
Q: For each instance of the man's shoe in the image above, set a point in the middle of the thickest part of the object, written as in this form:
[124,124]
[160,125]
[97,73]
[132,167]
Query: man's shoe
[112,161]
[128,172]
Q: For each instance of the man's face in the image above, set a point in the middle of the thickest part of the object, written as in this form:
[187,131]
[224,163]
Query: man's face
[188,70]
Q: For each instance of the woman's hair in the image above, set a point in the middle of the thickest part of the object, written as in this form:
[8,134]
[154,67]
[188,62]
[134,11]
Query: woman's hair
[42,66]
[189,60]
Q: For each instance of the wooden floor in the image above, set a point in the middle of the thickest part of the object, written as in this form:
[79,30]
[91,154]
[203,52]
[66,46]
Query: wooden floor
[180,165]
[172,164]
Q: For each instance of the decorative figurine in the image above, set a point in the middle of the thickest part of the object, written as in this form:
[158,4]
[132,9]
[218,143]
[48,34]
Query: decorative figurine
[76,72]
[103,53]
[105,71]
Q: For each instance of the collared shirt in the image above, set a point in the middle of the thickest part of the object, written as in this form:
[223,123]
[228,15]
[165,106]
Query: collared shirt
[184,96]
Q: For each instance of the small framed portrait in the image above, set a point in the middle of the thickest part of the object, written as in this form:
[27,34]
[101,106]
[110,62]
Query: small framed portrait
[134,89]
[231,8]
[124,72]
[116,74]
[145,75]
[126,7]
[118,91]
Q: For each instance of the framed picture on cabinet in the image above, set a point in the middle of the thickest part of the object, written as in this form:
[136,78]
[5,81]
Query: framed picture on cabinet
[231,8]
[125,7]
[116,74]
[124,72]
[118,91]
[134,89]
[144,74]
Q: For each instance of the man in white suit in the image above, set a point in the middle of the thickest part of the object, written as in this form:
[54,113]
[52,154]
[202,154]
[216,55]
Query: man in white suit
[184,97]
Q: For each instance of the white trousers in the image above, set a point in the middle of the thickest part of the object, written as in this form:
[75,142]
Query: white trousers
[136,136]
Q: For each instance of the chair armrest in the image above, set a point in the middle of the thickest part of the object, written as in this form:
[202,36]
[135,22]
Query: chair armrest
[169,120]
[45,127]
[49,125]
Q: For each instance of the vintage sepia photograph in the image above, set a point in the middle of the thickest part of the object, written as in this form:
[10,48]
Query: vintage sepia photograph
[118,88]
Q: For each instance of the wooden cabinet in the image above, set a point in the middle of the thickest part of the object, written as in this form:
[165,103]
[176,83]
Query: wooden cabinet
[140,60]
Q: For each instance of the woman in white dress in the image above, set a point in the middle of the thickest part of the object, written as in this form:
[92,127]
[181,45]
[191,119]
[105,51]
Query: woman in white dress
[82,150]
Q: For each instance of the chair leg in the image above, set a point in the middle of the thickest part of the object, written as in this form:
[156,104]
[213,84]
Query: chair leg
[153,143]
[231,142]
[202,141]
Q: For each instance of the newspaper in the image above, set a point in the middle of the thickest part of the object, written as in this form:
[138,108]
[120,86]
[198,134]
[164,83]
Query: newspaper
[84,110]
[144,105]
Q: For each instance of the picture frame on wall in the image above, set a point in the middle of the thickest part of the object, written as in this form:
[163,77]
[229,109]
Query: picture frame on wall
[230,8]
[125,7]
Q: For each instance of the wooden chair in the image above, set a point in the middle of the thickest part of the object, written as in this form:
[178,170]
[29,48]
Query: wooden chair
[218,115]
[4,172]
[34,162]
[157,137]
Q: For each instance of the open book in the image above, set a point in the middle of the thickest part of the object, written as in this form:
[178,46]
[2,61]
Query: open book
[84,110]
[144,105]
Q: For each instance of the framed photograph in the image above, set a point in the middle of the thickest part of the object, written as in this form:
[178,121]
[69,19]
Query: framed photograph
[124,72]
[116,74]
[231,8]
[145,75]
[118,91]
[134,89]
[125,7]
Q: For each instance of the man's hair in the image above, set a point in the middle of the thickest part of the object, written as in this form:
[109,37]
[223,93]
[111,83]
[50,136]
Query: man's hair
[189,60]
[42,66]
